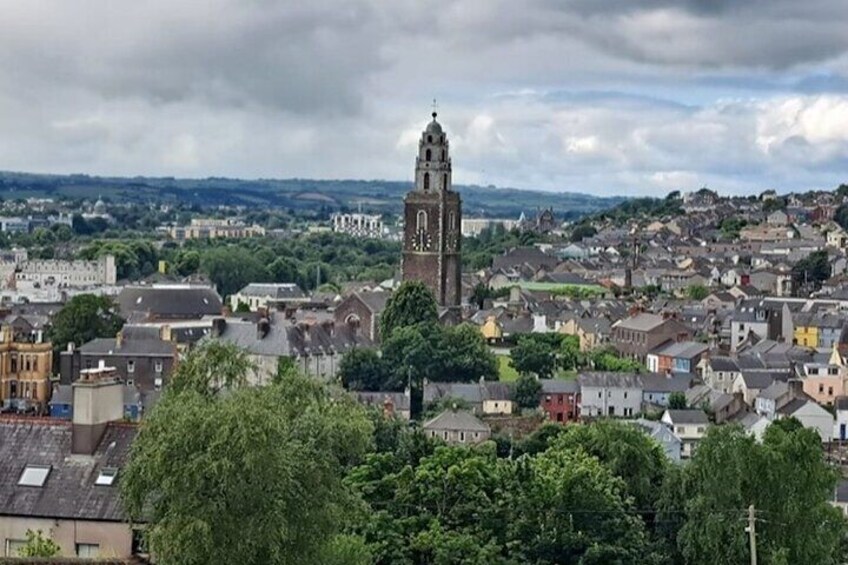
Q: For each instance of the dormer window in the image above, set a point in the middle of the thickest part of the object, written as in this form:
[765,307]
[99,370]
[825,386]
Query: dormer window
[34,476]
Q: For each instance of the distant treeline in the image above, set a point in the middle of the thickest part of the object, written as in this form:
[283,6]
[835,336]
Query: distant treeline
[295,194]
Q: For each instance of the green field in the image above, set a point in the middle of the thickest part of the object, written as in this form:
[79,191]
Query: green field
[507,373]
[505,370]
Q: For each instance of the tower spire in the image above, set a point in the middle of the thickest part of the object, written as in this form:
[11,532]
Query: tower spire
[435,107]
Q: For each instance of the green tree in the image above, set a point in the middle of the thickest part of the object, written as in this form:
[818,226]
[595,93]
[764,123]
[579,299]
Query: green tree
[565,506]
[230,268]
[697,292]
[411,304]
[83,318]
[250,476]
[363,369]
[533,356]
[810,272]
[582,231]
[677,401]
[38,546]
[570,356]
[466,355]
[527,390]
[187,263]
[786,479]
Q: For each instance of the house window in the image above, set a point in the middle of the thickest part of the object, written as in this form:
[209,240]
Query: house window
[700,429]
[131,366]
[548,399]
[680,429]
[611,411]
[625,394]
[833,371]
[559,399]
[88,550]
[157,366]
[445,435]
[830,391]
[157,384]
[14,546]
[34,476]
[106,477]
[559,417]
[821,389]
[462,436]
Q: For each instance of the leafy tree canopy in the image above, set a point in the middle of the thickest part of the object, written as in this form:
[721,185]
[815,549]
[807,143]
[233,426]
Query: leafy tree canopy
[83,318]
[411,304]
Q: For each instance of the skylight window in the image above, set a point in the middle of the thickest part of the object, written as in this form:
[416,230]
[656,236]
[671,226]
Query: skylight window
[106,477]
[34,476]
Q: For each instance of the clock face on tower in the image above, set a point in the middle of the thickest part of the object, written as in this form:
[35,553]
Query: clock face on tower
[423,241]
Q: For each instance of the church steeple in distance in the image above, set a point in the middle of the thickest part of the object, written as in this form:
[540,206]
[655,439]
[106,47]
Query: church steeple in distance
[432,218]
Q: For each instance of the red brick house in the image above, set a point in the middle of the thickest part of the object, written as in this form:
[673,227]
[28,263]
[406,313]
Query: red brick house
[560,400]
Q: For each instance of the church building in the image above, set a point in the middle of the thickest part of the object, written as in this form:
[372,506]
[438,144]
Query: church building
[432,219]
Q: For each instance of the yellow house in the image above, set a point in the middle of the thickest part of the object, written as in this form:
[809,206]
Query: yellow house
[492,329]
[806,335]
[569,327]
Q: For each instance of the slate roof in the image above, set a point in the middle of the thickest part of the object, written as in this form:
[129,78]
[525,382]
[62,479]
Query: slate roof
[278,291]
[108,346]
[775,391]
[473,393]
[643,322]
[169,301]
[757,380]
[693,416]
[69,491]
[287,339]
[559,386]
[374,301]
[724,364]
[456,420]
[793,406]
[659,382]
[609,380]
[682,349]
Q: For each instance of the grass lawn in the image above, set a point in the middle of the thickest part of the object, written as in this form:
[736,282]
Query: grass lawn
[506,371]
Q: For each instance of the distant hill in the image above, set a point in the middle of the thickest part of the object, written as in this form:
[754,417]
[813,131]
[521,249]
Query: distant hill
[296,194]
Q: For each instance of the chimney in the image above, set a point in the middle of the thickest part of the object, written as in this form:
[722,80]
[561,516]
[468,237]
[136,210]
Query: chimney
[218,326]
[796,388]
[263,326]
[119,339]
[98,400]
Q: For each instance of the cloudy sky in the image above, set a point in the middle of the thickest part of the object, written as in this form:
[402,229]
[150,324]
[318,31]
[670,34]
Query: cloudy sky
[599,96]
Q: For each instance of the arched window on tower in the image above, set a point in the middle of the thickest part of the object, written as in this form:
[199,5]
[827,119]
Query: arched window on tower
[445,181]
[428,155]
[452,221]
[421,220]
[429,139]
[426,181]
[443,154]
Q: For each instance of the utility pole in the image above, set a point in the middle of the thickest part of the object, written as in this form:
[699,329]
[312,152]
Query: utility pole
[752,533]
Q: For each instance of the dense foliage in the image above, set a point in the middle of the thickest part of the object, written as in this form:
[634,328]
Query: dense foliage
[253,475]
[411,304]
[83,318]
[294,473]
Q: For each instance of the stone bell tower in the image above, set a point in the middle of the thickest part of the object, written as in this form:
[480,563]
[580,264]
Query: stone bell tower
[432,218]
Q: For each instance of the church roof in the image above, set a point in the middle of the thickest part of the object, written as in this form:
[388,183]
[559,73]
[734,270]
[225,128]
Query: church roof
[434,126]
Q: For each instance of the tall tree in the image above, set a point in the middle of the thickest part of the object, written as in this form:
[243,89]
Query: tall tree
[83,318]
[252,476]
[411,304]
[362,369]
[527,391]
[532,356]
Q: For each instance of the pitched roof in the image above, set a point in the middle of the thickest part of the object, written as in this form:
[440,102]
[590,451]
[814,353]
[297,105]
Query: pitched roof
[683,349]
[660,382]
[169,301]
[559,386]
[69,491]
[641,322]
[456,420]
[609,380]
[723,364]
[108,346]
[278,291]
[691,416]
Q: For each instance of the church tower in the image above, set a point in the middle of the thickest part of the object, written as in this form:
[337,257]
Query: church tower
[432,216]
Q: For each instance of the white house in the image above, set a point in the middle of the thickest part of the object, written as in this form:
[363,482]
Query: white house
[689,426]
[811,415]
[840,427]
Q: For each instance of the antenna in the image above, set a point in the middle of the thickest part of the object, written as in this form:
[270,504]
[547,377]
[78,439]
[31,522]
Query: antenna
[435,107]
